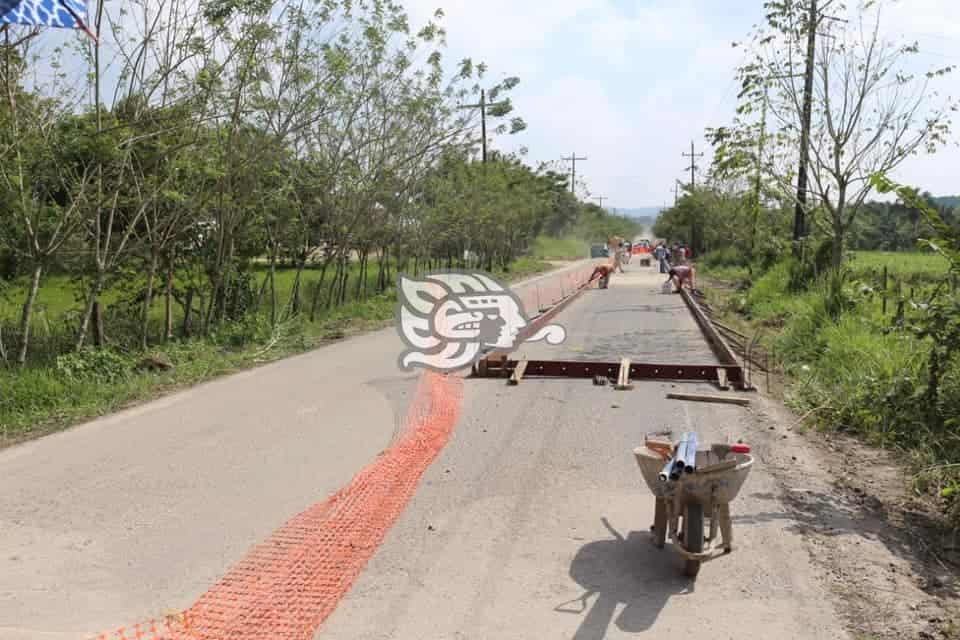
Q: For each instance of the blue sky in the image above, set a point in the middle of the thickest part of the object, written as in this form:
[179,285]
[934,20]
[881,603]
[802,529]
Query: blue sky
[629,83]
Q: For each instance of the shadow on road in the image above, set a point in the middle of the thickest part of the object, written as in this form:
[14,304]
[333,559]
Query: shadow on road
[629,571]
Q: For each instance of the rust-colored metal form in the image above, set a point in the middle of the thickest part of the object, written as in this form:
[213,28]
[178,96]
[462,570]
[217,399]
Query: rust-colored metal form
[729,371]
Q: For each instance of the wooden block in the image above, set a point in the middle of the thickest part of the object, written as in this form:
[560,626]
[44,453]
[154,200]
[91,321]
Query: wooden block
[623,377]
[694,397]
[722,379]
[517,375]
[726,465]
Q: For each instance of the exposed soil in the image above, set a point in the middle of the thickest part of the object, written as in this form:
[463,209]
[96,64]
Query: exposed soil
[885,552]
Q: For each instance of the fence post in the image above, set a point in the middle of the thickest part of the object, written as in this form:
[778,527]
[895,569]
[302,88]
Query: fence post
[884,295]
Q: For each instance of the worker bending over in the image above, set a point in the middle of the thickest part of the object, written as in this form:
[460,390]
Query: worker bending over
[681,275]
[603,272]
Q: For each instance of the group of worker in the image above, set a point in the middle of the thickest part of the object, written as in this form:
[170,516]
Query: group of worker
[676,264]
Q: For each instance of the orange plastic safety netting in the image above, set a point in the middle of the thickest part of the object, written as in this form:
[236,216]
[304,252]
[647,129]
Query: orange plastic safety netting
[287,586]
[544,293]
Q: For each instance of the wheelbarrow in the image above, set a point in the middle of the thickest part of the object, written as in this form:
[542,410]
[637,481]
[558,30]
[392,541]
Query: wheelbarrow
[706,493]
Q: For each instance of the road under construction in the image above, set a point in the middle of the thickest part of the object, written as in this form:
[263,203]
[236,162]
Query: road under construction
[522,515]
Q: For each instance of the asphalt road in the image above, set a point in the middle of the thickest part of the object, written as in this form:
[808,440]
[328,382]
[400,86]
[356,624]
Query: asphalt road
[534,521]
[135,515]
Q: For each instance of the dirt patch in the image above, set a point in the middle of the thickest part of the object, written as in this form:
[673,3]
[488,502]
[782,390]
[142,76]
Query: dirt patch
[883,551]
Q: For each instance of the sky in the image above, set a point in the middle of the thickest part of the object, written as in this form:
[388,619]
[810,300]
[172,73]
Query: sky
[630,83]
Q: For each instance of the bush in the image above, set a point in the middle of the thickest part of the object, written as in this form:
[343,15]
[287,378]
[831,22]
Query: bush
[726,257]
[99,365]
[238,333]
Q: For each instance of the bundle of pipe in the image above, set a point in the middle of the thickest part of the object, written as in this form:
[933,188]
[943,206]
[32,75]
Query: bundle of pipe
[684,459]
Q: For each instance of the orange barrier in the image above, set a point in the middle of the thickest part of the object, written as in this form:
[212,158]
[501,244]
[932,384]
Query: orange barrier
[287,586]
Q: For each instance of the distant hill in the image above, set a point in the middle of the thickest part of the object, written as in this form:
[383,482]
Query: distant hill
[639,212]
[948,201]
[644,215]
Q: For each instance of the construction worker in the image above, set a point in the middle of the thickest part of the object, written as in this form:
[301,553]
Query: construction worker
[616,249]
[661,253]
[682,274]
[603,272]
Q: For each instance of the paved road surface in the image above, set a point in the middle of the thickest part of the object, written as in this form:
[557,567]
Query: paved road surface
[533,522]
[135,515]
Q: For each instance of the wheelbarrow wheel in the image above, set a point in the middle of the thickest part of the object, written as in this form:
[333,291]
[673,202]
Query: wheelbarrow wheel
[693,536]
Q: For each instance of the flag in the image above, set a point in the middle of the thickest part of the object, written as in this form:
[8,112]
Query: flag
[62,14]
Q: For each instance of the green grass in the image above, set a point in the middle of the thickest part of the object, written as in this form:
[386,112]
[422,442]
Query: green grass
[566,248]
[929,265]
[847,359]
[44,397]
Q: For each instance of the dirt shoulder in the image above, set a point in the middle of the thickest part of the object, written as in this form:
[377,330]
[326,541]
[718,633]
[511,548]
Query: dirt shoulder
[882,551]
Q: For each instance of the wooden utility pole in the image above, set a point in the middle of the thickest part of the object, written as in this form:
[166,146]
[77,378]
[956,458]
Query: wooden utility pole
[482,105]
[601,199]
[573,170]
[799,213]
[693,164]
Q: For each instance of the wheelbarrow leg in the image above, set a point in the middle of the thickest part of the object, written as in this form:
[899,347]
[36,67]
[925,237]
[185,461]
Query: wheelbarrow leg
[714,523]
[660,523]
[726,527]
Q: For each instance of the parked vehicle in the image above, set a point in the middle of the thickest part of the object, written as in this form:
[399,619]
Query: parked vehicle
[599,251]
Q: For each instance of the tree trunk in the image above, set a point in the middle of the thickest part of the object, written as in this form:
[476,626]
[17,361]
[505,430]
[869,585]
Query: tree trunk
[168,304]
[333,292]
[316,291]
[273,285]
[88,312]
[187,312]
[837,249]
[381,275]
[295,293]
[97,317]
[346,281]
[361,280]
[28,314]
[148,300]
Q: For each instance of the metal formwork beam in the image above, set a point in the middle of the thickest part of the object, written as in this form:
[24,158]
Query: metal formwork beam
[720,347]
[638,370]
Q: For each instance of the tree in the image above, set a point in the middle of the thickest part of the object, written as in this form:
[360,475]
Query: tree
[870,113]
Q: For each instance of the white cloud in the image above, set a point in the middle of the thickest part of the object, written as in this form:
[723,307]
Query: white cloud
[630,84]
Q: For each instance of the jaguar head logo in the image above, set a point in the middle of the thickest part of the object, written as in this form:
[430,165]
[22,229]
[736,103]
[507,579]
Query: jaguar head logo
[449,320]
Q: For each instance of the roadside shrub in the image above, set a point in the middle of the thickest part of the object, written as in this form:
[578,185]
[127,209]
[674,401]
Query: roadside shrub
[238,333]
[726,257]
[769,291]
[99,365]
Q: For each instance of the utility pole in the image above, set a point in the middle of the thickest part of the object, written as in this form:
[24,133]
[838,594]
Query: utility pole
[676,194]
[601,199]
[573,170]
[483,119]
[799,213]
[693,164]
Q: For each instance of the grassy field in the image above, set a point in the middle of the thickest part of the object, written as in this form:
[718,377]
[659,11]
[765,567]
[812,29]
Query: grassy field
[852,362]
[568,248]
[54,393]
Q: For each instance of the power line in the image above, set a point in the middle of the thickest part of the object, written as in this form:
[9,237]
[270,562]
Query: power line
[693,164]
[482,105]
[573,170]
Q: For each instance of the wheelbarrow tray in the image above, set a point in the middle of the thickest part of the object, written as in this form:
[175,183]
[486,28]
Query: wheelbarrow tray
[715,480]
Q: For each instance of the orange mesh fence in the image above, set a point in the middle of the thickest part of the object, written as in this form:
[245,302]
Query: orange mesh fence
[544,293]
[288,585]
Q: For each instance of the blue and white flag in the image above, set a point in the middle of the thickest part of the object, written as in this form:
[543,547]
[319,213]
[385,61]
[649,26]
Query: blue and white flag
[62,14]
